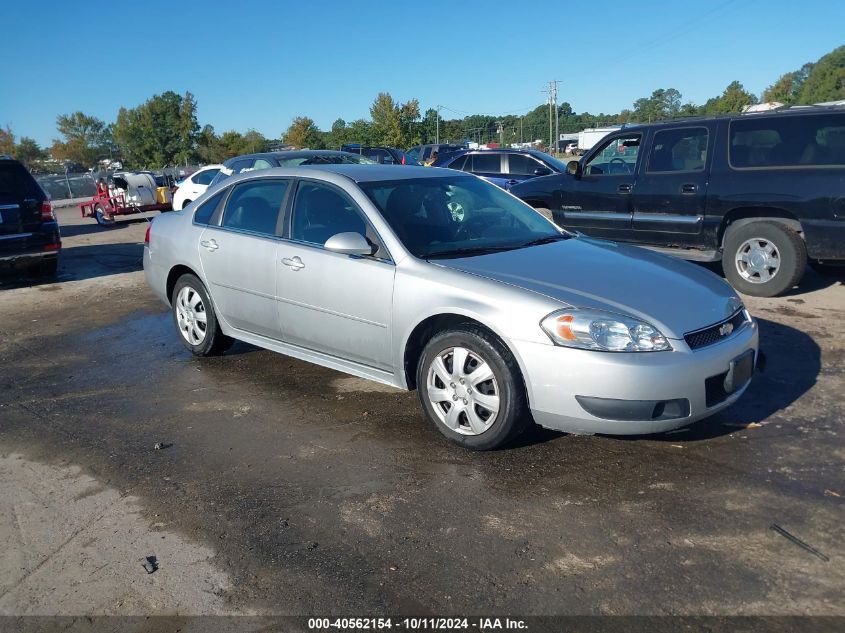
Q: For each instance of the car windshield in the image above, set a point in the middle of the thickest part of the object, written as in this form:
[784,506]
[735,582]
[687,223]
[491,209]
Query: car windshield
[326,159]
[457,216]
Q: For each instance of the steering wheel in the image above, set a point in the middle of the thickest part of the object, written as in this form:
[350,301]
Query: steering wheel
[625,166]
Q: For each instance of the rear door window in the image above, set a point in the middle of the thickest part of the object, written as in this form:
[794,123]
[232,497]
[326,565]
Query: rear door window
[487,163]
[206,210]
[262,164]
[458,163]
[205,177]
[522,165]
[678,150]
[241,165]
[816,140]
[254,206]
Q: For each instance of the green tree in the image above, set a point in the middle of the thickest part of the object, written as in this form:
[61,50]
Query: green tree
[7,141]
[84,138]
[733,99]
[387,124]
[162,131]
[664,103]
[826,80]
[338,135]
[27,151]
[188,129]
[303,132]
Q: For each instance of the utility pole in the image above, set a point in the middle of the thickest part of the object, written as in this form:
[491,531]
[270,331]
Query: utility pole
[437,131]
[520,129]
[557,126]
[501,129]
[550,114]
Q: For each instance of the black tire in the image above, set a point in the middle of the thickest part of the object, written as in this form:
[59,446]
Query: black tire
[100,216]
[792,256]
[513,416]
[185,204]
[214,342]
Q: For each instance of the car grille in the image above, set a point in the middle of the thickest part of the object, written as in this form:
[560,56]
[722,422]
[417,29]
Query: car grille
[716,332]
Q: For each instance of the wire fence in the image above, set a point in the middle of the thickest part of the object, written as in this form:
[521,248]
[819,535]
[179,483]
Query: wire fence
[63,186]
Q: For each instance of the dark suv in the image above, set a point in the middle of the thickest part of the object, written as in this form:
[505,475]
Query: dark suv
[764,193]
[29,233]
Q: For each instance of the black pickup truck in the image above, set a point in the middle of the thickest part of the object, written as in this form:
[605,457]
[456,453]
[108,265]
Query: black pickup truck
[764,192]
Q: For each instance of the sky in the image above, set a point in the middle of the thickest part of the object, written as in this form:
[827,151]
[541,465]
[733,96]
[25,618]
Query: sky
[258,64]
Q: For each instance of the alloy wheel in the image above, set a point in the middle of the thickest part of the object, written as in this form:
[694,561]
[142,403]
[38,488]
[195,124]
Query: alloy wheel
[757,260]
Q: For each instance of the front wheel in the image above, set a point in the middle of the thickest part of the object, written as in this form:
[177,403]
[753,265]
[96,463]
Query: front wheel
[763,259]
[471,389]
[195,319]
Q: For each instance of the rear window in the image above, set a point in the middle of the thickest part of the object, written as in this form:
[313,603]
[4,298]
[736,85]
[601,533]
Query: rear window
[486,163]
[790,141]
[17,183]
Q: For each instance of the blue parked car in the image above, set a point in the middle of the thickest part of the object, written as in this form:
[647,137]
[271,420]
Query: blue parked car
[502,167]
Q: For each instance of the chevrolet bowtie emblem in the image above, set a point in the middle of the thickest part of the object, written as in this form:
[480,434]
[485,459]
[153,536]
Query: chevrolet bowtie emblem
[726,329]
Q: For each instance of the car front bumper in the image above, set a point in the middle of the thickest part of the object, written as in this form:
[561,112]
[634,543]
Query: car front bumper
[640,393]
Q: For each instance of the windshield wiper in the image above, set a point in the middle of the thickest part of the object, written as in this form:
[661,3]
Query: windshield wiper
[466,252]
[548,239]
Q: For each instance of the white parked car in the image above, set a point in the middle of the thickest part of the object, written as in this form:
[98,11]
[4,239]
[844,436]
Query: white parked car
[194,186]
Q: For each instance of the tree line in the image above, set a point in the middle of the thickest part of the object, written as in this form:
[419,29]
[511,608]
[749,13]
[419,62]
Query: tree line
[165,131]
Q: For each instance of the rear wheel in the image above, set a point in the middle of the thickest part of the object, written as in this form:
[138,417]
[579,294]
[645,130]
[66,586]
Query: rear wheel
[763,259]
[471,388]
[185,203]
[195,319]
[101,217]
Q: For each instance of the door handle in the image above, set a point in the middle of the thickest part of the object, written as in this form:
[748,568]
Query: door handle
[210,245]
[689,188]
[294,263]
[626,188]
[511,183]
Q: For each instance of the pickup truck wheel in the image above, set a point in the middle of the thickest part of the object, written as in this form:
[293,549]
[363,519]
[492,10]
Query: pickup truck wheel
[195,319]
[763,259]
[471,388]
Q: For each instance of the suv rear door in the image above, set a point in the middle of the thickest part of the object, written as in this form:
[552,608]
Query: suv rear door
[522,167]
[489,165]
[670,192]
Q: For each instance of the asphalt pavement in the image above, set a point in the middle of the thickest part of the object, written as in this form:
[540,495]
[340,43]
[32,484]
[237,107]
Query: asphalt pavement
[311,492]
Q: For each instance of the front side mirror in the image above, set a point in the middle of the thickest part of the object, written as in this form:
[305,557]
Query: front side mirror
[350,243]
[573,168]
[542,171]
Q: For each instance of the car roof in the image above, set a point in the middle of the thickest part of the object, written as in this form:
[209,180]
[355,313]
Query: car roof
[777,112]
[355,172]
[294,153]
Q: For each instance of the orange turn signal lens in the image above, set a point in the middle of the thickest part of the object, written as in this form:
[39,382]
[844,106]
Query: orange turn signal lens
[564,329]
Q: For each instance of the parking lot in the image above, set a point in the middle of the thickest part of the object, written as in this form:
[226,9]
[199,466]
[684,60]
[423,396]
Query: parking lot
[286,488]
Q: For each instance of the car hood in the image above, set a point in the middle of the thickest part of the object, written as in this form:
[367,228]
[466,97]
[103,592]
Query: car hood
[674,295]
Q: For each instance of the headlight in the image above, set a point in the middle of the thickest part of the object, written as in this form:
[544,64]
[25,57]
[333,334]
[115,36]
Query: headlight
[603,331]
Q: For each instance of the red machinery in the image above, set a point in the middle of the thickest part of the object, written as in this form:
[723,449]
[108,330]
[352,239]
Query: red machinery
[110,201]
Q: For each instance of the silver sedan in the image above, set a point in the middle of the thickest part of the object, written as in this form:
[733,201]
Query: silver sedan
[438,281]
